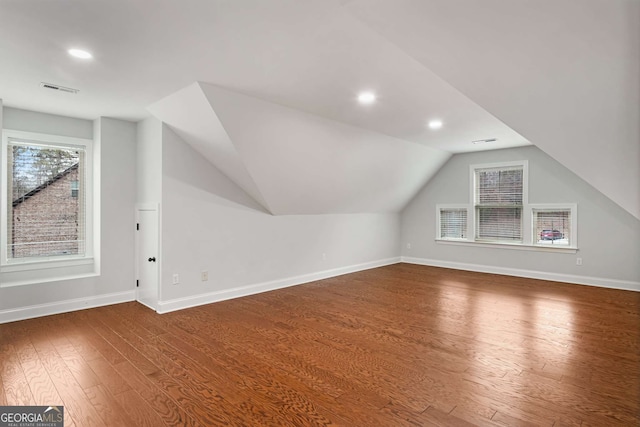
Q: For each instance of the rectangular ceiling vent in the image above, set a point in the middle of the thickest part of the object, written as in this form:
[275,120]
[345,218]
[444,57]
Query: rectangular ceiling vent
[484,141]
[58,88]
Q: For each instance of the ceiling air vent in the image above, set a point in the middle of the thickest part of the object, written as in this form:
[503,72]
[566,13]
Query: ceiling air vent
[58,88]
[484,141]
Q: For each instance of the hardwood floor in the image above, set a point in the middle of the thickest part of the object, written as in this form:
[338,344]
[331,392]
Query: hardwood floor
[394,346]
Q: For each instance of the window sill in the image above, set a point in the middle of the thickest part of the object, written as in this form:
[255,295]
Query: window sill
[44,263]
[514,246]
[43,271]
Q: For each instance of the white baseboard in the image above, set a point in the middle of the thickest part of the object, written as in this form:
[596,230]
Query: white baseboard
[12,315]
[241,291]
[29,312]
[532,274]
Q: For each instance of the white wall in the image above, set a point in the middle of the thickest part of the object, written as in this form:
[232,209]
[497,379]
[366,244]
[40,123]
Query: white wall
[117,141]
[563,74]
[31,121]
[115,149]
[149,161]
[608,235]
[207,225]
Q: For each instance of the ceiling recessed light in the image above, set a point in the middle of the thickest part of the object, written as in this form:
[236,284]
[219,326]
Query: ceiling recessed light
[435,124]
[366,97]
[79,53]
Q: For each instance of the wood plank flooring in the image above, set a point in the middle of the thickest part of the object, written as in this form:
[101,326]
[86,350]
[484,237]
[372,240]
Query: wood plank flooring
[402,345]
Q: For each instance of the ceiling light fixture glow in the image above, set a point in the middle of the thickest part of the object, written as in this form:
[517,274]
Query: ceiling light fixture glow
[79,53]
[366,97]
[435,124]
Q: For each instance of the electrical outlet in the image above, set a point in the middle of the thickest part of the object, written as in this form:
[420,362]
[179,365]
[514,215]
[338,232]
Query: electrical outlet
[176,279]
[204,275]
[408,245]
[578,261]
[324,257]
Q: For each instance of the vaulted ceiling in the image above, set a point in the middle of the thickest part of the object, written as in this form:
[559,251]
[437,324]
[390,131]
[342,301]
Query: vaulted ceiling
[266,91]
[293,162]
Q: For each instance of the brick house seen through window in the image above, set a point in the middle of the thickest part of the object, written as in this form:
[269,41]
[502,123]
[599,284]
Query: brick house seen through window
[45,220]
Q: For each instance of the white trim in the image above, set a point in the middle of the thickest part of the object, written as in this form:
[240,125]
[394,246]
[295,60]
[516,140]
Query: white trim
[29,312]
[33,277]
[573,214]
[473,221]
[531,274]
[242,291]
[28,271]
[445,206]
[510,246]
[515,163]
[48,262]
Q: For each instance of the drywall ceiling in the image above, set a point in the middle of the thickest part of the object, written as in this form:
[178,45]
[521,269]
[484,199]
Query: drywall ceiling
[294,162]
[563,74]
[480,67]
[189,114]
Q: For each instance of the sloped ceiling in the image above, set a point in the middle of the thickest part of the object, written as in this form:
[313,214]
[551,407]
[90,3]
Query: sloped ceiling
[562,75]
[303,143]
[295,162]
[189,114]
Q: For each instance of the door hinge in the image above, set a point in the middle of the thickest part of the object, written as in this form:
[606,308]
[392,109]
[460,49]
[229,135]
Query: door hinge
[137,283]
[138,226]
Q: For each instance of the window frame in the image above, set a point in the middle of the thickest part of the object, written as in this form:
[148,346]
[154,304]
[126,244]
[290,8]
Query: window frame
[439,209]
[473,169]
[15,271]
[528,242]
[573,228]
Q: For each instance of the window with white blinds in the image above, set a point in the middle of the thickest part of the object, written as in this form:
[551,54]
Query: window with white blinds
[553,226]
[498,199]
[46,200]
[46,208]
[453,223]
[498,213]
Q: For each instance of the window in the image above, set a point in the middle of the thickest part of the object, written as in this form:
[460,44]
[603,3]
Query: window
[498,196]
[44,219]
[75,188]
[452,223]
[499,213]
[554,225]
[46,203]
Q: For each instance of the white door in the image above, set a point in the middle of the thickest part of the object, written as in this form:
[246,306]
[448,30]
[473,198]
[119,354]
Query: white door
[147,251]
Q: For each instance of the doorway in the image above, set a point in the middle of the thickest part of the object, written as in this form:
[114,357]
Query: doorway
[147,256]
